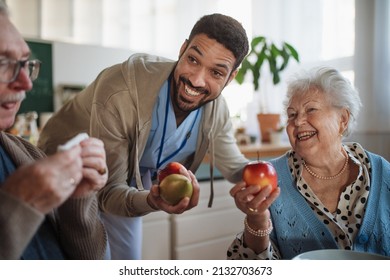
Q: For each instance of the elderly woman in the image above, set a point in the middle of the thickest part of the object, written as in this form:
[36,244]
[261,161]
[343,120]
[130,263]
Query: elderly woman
[331,195]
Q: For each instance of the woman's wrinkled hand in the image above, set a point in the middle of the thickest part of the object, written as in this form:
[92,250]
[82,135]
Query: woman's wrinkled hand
[253,200]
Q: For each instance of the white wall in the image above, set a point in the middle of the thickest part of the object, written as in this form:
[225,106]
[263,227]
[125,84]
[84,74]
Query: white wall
[75,64]
[80,64]
[373,131]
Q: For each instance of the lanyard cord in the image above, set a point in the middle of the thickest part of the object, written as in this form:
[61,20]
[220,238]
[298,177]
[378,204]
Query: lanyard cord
[188,135]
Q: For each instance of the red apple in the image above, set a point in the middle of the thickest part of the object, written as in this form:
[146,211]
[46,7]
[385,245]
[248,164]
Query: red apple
[170,168]
[174,188]
[261,173]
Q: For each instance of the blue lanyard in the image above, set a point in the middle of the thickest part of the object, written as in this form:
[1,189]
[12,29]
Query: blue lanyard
[188,135]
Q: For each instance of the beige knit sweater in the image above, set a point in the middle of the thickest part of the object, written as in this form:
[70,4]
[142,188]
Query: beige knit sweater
[80,232]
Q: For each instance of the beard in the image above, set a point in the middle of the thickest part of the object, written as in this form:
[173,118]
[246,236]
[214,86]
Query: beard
[181,103]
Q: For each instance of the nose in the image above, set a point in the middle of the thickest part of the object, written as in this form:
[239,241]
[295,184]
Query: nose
[300,119]
[198,78]
[22,81]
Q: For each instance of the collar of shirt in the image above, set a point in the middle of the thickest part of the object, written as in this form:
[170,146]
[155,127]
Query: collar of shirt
[173,138]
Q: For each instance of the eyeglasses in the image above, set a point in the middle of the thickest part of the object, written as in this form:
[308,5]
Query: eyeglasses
[10,69]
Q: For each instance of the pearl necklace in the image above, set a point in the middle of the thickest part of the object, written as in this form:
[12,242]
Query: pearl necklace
[312,173]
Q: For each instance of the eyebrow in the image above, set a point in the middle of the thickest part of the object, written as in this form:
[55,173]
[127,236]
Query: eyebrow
[8,54]
[309,101]
[304,104]
[195,48]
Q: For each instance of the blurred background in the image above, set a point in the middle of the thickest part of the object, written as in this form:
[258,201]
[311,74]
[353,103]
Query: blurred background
[351,35]
[76,39]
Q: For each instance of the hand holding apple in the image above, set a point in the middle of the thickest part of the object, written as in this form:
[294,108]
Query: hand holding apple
[171,168]
[258,190]
[173,185]
[260,173]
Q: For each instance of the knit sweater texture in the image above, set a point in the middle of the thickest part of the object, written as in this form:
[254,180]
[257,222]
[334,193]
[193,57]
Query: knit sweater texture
[80,233]
[298,230]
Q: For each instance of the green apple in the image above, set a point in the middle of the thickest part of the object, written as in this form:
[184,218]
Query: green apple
[174,188]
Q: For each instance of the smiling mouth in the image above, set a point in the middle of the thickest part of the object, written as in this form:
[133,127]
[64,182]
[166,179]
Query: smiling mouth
[8,105]
[306,135]
[191,92]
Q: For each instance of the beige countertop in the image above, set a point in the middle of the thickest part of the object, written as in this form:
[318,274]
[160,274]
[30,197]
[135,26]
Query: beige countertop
[261,150]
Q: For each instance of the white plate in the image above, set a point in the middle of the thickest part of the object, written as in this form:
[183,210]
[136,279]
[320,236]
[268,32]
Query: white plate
[335,254]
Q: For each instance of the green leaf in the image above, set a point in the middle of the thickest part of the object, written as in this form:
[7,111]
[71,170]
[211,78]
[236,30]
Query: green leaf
[274,51]
[256,41]
[245,66]
[276,79]
[240,76]
[273,68]
[266,51]
[293,51]
[285,56]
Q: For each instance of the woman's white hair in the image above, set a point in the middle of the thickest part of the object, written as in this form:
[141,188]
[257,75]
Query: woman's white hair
[337,89]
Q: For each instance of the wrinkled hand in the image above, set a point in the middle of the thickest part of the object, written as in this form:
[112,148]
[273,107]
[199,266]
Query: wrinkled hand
[47,183]
[94,167]
[185,204]
[254,200]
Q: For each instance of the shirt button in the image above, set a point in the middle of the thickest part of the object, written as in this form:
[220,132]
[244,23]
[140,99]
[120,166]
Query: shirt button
[363,239]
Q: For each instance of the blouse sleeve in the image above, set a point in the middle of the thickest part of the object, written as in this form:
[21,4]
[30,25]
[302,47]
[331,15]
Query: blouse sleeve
[239,251]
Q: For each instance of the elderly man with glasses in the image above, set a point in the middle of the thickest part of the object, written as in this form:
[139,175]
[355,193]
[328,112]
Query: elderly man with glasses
[48,206]
[10,69]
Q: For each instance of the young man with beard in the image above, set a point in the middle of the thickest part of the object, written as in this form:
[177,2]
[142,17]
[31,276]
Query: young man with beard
[150,111]
[48,205]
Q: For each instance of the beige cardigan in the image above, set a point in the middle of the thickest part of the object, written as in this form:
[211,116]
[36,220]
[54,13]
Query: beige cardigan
[80,231]
[117,108]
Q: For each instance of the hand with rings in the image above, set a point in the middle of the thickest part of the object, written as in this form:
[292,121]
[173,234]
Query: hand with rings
[252,210]
[253,199]
[46,183]
[72,182]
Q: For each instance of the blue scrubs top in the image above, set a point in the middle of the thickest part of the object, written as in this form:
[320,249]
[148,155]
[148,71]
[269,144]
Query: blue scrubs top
[166,143]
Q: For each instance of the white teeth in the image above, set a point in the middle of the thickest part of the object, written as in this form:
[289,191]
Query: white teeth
[191,92]
[305,135]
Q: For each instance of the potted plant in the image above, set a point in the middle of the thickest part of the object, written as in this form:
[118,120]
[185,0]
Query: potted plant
[277,58]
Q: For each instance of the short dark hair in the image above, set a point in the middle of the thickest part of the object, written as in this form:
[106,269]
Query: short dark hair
[227,31]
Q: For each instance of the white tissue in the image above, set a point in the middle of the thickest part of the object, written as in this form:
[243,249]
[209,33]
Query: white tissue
[73,142]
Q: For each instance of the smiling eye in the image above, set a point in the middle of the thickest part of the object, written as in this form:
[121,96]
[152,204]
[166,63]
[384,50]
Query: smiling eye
[291,115]
[192,59]
[217,74]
